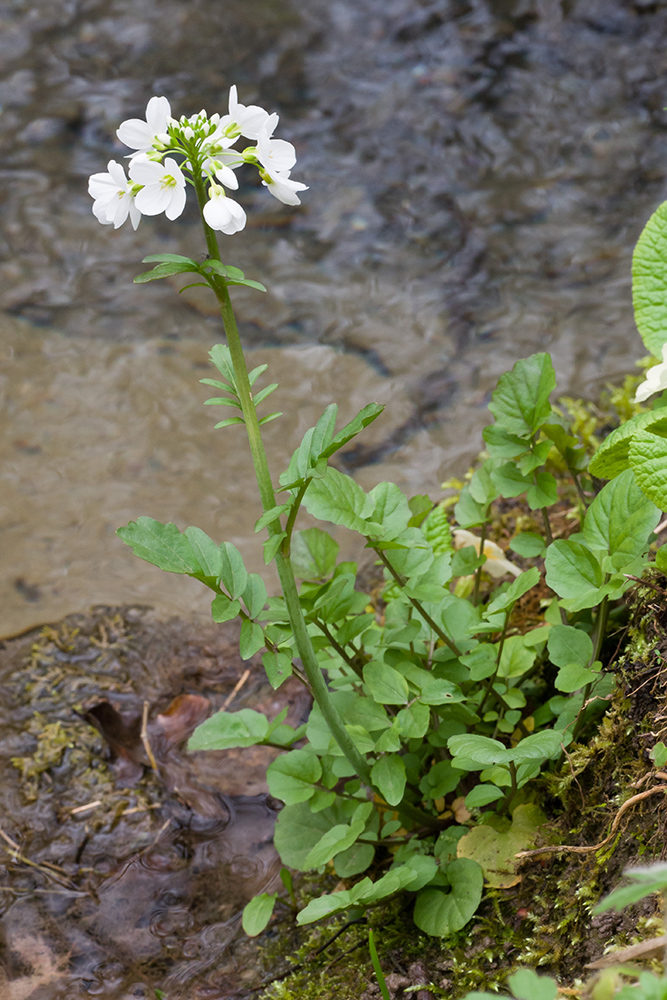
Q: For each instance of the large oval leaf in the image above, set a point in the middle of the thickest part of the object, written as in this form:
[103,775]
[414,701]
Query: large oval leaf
[649,281]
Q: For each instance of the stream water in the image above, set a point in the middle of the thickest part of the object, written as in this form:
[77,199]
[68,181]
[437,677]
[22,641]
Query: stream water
[479,171]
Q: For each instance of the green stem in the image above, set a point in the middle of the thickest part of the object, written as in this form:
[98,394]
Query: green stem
[478,571]
[288,583]
[600,631]
[418,607]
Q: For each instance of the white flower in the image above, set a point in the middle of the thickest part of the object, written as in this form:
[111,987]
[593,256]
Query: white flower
[249,121]
[163,186]
[113,197]
[282,188]
[275,155]
[656,379]
[141,135]
[223,213]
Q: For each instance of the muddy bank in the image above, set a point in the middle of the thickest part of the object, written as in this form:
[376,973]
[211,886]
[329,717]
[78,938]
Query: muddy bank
[129,878]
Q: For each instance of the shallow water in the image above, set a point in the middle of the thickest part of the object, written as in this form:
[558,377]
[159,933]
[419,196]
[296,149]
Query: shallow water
[478,173]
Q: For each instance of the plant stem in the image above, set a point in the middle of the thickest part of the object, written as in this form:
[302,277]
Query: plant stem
[418,607]
[288,583]
[478,571]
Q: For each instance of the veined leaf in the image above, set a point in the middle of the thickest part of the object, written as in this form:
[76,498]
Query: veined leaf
[621,518]
[613,455]
[649,281]
[648,457]
[520,403]
[162,545]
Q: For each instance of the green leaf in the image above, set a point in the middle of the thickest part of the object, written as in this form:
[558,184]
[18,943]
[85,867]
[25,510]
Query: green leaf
[366,416]
[228,423]
[230,729]
[502,444]
[528,544]
[278,667]
[525,984]
[620,519]
[233,574]
[251,639]
[649,281]
[517,588]
[162,545]
[613,455]
[170,258]
[509,481]
[567,644]
[354,860]
[338,838]
[482,795]
[163,271]
[520,403]
[440,780]
[271,546]
[543,493]
[249,284]
[488,752]
[206,552]
[390,509]
[254,596]
[298,830]
[269,417]
[572,677]
[223,609]
[337,498]
[257,913]
[573,572]
[648,458]
[440,913]
[388,776]
[647,879]
[224,270]
[291,776]
[385,684]
[270,515]
[659,755]
[313,554]
[263,393]
[516,658]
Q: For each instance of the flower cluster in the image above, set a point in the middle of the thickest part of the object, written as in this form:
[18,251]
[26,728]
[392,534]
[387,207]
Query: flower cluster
[206,160]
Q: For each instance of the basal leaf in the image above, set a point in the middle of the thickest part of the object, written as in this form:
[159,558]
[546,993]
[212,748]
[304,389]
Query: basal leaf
[494,844]
[520,403]
[298,829]
[439,912]
[567,644]
[648,458]
[649,281]
[621,518]
[573,571]
[613,455]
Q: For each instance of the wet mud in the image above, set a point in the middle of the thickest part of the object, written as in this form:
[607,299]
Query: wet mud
[117,878]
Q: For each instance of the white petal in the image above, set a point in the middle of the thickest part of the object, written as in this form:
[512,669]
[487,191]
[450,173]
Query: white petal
[158,112]
[176,204]
[275,154]
[117,173]
[153,200]
[102,186]
[135,214]
[227,177]
[100,213]
[233,100]
[145,171]
[135,134]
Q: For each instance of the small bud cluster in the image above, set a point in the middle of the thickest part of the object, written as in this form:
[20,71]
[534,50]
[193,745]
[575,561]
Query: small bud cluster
[157,182]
